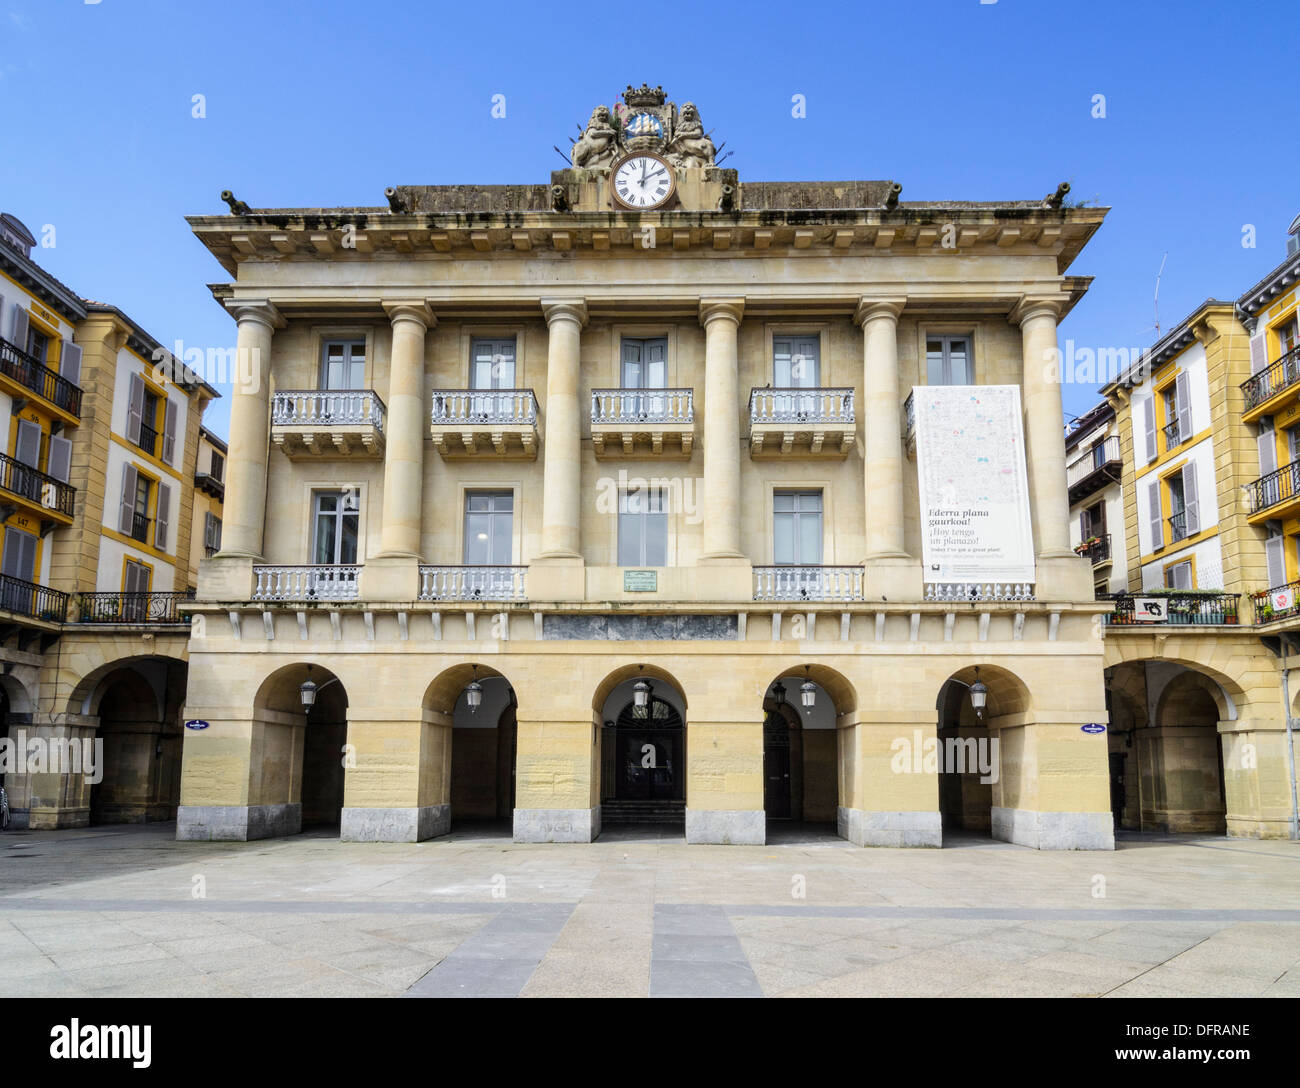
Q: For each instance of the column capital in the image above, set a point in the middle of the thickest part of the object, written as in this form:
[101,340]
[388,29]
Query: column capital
[565,309]
[871,307]
[713,308]
[410,309]
[259,310]
[1031,306]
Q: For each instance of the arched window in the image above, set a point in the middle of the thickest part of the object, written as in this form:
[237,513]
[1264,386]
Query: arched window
[657,714]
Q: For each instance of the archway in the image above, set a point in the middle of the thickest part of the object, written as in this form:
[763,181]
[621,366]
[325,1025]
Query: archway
[641,714]
[977,754]
[477,761]
[302,711]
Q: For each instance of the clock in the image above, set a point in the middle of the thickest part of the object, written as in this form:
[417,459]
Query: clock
[642,181]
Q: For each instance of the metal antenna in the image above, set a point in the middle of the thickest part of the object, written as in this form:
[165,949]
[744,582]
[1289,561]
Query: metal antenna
[1157,295]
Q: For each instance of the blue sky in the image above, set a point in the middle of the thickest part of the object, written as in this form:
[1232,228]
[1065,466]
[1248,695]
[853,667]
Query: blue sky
[326,103]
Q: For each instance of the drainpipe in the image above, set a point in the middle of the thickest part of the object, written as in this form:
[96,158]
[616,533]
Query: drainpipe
[1290,739]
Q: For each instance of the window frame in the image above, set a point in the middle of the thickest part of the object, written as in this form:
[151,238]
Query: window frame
[656,497]
[338,515]
[796,536]
[947,339]
[468,495]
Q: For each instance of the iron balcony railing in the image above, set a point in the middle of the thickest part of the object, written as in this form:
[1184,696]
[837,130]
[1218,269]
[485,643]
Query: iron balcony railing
[808,583]
[1276,602]
[148,440]
[327,407]
[140,527]
[472,583]
[1277,376]
[29,599]
[1093,462]
[642,405]
[132,607]
[1276,487]
[1095,548]
[1207,607]
[20,479]
[31,373]
[456,407]
[909,411]
[1177,526]
[801,406]
[958,592]
[1172,435]
[335,582]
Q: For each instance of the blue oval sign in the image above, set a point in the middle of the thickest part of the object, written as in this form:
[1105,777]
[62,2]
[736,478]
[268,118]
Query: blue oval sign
[196,723]
[1093,727]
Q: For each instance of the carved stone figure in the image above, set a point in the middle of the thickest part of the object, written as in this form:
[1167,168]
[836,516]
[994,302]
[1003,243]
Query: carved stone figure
[689,145]
[598,144]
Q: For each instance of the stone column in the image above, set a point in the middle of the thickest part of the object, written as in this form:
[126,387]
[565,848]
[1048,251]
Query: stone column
[721,321]
[1044,426]
[881,410]
[244,516]
[561,450]
[405,430]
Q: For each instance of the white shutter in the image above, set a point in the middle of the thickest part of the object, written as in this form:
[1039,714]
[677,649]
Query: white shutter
[1154,516]
[1258,352]
[18,330]
[1183,405]
[70,362]
[1149,424]
[1191,504]
[169,432]
[162,512]
[135,408]
[1276,560]
[126,509]
[60,462]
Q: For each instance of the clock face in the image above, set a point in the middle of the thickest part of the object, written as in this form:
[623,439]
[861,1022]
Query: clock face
[643,181]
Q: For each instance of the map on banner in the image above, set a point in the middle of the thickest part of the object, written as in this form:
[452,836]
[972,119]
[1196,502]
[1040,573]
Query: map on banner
[974,491]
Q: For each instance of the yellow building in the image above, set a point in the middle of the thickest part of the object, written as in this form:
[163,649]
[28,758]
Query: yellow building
[209,495]
[1199,647]
[625,496]
[97,495]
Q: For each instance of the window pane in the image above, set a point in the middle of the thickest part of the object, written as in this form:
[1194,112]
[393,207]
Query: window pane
[324,538]
[958,362]
[783,538]
[656,540]
[502,545]
[783,500]
[934,369]
[629,540]
[810,538]
[809,500]
[348,539]
[478,538]
[477,501]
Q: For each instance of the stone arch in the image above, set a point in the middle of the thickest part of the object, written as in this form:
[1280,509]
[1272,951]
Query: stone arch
[641,752]
[1123,651]
[810,741]
[89,689]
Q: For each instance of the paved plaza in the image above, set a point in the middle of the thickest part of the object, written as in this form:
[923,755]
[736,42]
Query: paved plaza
[127,911]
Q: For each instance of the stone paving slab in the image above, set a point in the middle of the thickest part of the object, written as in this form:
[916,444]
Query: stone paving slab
[111,912]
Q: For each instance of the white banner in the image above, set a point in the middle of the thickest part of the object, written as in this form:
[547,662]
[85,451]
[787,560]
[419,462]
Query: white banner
[970,458]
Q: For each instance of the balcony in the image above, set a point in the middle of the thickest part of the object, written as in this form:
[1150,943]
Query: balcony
[643,422]
[808,583]
[1263,393]
[1276,495]
[1276,603]
[485,423]
[1162,606]
[1099,466]
[472,583]
[149,608]
[317,583]
[1177,526]
[29,599]
[210,485]
[148,440]
[328,424]
[1096,549]
[971,592]
[37,493]
[801,423]
[909,426]
[21,374]
[1173,437]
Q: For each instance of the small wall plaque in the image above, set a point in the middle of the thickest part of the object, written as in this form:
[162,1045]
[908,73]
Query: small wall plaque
[640,581]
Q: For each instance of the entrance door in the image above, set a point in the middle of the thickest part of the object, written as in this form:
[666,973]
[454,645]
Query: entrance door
[776,767]
[649,744]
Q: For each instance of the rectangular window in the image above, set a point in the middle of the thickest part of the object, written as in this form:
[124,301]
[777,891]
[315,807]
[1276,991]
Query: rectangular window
[19,562]
[796,362]
[136,577]
[337,523]
[489,528]
[492,364]
[343,364]
[645,363]
[948,360]
[217,467]
[38,344]
[1179,576]
[797,528]
[642,528]
[140,509]
[148,440]
[1177,508]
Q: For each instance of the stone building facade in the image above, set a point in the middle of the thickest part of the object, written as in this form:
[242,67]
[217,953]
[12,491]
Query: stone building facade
[597,500]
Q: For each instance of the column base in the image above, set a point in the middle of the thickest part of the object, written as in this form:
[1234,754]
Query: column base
[557,824]
[226,577]
[237,823]
[1055,830]
[897,829]
[726,827]
[394,824]
[392,578]
[1063,578]
[557,578]
[894,578]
